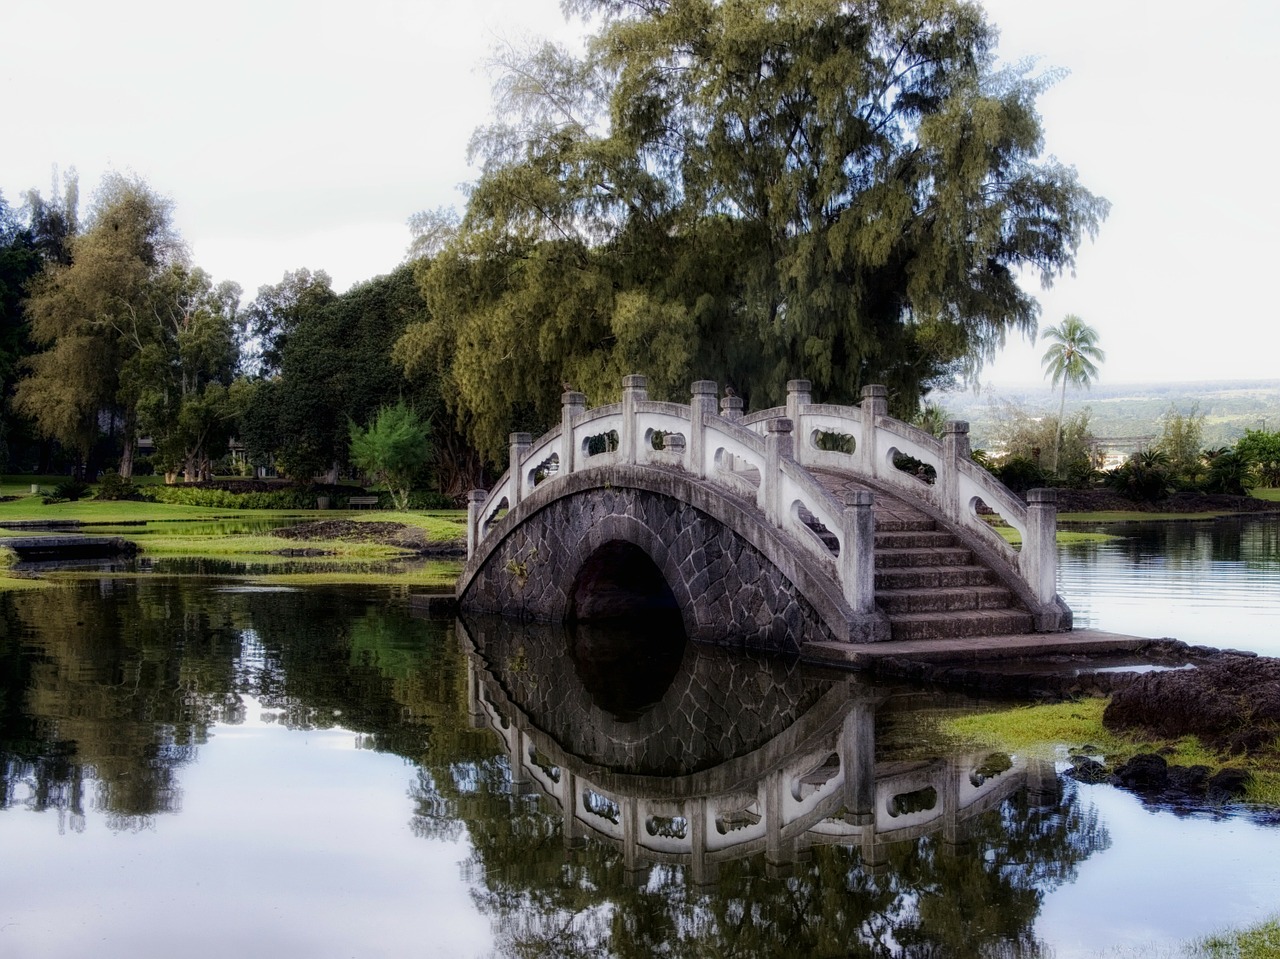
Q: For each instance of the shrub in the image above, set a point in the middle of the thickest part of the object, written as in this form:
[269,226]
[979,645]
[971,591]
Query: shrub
[1228,472]
[1144,478]
[113,486]
[67,491]
[291,497]
[1020,474]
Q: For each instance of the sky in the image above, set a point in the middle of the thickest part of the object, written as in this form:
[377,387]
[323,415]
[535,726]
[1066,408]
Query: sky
[304,134]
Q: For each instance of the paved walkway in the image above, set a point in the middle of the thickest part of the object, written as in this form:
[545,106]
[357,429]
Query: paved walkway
[975,649]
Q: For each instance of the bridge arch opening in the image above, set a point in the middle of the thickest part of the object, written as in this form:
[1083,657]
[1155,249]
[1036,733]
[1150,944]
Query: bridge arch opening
[626,634]
[619,581]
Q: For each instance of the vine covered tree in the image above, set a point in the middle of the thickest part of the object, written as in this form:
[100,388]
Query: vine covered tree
[1072,358]
[750,192]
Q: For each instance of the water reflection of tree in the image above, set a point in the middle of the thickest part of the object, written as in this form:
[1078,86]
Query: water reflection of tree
[922,898]
[111,688]
[115,693]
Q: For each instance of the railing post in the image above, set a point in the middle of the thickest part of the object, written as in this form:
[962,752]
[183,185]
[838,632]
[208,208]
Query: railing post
[875,402]
[520,445]
[634,389]
[701,406]
[731,408]
[955,448]
[1041,547]
[777,447]
[857,552]
[798,395]
[572,406]
[858,760]
[475,500]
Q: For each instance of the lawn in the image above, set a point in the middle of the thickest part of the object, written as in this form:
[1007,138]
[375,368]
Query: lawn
[242,536]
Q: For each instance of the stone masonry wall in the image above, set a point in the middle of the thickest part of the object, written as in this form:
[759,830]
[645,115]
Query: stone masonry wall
[727,590]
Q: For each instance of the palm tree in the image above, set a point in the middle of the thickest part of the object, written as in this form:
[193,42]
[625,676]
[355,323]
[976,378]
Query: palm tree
[1070,359]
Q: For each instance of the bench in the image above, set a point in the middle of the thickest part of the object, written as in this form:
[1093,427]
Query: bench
[354,502]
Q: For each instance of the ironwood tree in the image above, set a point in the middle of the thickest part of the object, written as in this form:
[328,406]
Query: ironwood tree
[749,192]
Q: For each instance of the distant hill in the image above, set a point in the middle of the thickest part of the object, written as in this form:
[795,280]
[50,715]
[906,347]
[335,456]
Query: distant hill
[1130,410]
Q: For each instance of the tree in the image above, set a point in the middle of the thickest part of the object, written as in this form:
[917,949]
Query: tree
[332,366]
[278,312]
[1021,437]
[749,191]
[1182,441]
[1262,451]
[393,449]
[180,379]
[96,314]
[1071,359]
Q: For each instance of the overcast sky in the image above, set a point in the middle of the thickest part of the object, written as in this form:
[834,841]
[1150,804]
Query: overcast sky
[304,134]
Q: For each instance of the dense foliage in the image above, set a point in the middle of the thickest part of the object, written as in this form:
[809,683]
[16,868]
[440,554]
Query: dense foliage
[748,192]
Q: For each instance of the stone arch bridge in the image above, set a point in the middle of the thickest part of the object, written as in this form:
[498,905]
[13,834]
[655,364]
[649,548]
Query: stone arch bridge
[773,529]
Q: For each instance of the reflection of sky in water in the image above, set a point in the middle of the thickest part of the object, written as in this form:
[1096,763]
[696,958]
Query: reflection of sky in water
[1165,879]
[273,823]
[1213,583]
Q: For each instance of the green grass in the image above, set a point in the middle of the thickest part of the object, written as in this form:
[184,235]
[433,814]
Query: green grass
[1271,495]
[438,575]
[200,532]
[31,508]
[1043,730]
[1064,536]
[1137,516]
[1261,941]
[255,547]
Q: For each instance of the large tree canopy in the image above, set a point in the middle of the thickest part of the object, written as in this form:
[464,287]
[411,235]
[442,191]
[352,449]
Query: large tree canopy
[749,191]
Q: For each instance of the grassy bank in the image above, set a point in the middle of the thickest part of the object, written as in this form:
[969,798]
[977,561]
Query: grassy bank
[361,553]
[1261,941]
[1044,730]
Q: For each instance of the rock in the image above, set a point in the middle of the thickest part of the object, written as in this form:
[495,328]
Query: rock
[1229,783]
[1086,770]
[1233,703]
[1145,772]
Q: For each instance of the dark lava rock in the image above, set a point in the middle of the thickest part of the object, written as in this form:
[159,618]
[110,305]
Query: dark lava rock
[1233,703]
[1086,770]
[1229,783]
[1145,772]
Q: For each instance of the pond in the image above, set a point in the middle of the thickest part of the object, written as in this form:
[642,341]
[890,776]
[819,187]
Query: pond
[201,769]
[1213,582]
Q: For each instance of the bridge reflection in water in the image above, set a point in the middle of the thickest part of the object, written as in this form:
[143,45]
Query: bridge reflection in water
[680,755]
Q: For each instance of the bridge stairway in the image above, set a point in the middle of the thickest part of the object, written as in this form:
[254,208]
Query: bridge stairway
[927,583]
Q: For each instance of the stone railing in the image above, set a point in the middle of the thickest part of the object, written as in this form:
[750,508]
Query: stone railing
[766,458]
[868,442]
[701,441]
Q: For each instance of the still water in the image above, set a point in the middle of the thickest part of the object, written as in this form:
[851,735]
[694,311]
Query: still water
[1212,582]
[196,768]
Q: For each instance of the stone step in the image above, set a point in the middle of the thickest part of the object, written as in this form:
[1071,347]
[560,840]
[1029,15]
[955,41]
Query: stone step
[888,524]
[914,539]
[923,626]
[932,577]
[945,556]
[952,599]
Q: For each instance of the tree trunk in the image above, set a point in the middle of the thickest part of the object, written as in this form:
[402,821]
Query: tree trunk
[130,443]
[1057,433]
